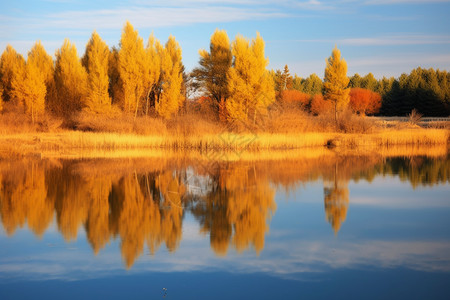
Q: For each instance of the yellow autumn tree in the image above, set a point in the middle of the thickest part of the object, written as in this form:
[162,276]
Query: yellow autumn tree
[12,72]
[250,85]
[336,82]
[44,62]
[131,68]
[115,81]
[70,80]
[34,90]
[171,98]
[152,71]
[96,60]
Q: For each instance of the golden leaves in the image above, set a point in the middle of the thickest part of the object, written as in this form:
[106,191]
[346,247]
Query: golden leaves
[70,79]
[96,62]
[336,80]
[171,99]
[250,85]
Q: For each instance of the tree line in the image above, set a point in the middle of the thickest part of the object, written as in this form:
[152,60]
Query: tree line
[232,76]
[131,77]
[426,90]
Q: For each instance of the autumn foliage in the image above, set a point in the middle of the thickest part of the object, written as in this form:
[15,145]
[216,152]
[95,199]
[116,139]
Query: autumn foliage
[71,80]
[149,81]
[294,97]
[364,101]
[319,105]
[250,85]
[336,82]
[214,66]
[96,61]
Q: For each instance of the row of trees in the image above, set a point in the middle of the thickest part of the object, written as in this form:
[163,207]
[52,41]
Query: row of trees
[135,78]
[132,77]
[242,88]
[151,80]
[427,91]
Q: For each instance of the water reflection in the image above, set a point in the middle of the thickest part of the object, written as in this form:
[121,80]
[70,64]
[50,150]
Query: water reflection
[335,198]
[236,208]
[143,202]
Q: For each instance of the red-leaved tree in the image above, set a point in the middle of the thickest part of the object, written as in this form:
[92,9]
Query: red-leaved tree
[364,101]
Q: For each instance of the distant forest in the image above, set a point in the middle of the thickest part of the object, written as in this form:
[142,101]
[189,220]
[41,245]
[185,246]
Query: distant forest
[426,90]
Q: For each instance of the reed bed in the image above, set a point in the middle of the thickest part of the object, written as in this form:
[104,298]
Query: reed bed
[71,143]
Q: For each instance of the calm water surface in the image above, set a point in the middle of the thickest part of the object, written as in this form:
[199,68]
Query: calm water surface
[332,226]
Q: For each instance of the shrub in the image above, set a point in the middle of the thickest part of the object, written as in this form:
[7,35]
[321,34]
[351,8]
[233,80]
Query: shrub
[294,98]
[364,101]
[319,105]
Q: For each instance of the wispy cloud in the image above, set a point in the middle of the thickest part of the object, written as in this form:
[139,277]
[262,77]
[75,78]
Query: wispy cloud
[297,258]
[60,1]
[413,59]
[305,4]
[82,22]
[390,40]
[397,40]
[313,5]
[154,17]
[390,2]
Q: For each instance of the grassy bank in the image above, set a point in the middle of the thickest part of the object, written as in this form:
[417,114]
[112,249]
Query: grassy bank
[75,142]
[119,134]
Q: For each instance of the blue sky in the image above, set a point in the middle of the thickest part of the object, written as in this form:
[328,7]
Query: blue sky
[385,37]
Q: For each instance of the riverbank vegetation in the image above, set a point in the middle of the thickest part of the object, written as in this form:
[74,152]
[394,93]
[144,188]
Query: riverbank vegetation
[137,96]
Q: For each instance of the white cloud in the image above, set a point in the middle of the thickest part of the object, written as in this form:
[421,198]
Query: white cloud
[152,17]
[388,40]
[286,260]
[397,40]
[305,4]
[386,2]
[312,5]
[414,59]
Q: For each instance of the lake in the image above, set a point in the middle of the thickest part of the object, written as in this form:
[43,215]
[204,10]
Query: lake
[313,225]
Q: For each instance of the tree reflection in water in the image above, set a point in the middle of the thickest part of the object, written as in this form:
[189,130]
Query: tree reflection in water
[143,202]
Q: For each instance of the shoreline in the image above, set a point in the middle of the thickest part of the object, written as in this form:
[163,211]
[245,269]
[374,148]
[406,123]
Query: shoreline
[222,146]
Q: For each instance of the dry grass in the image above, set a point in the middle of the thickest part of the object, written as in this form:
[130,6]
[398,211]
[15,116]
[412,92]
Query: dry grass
[69,142]
[14,122]
[117,122]
[282,130]
[346,122]
[290,121]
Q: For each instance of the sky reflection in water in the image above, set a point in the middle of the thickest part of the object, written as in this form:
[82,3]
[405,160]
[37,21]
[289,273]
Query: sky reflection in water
[238,229]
